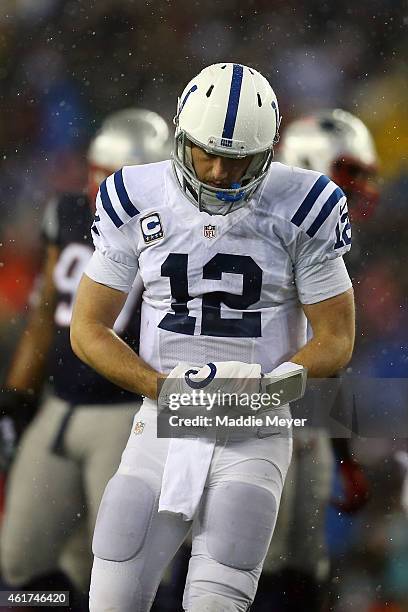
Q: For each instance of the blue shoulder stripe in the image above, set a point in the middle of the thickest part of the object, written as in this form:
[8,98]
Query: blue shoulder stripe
[123,195]
[107,204]
[327,208]
[233,101]
[307,204]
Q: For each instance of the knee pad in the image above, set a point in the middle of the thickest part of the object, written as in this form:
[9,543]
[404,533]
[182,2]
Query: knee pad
[124,518]
[239,522]
[212,603]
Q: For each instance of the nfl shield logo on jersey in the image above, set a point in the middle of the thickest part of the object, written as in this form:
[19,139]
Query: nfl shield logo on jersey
[209,231]
[139,427]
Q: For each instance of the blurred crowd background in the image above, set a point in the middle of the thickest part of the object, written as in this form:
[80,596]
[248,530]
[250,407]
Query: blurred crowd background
[65,64]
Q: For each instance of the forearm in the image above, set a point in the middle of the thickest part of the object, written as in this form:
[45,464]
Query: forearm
[331,347]
[323,356]
[28,367]
[100,348]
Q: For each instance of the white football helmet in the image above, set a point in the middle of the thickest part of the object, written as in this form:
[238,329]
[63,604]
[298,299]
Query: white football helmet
[229,110]
[339,145]
[130,136]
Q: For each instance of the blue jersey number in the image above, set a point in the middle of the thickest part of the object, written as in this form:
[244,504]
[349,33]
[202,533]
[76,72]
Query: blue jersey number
[343,229]
[248,326]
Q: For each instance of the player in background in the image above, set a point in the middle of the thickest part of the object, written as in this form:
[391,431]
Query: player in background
[296,568]
[236,254]
[73,445]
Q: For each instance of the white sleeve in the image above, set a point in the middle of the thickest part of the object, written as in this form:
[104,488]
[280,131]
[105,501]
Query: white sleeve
[322,281]
[322,240]
[108,272]
[114,262]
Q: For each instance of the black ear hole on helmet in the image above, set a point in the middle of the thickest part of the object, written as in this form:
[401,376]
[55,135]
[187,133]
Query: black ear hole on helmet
[208,94]
[224,66]
[259,100]
[328,125]
[251,71]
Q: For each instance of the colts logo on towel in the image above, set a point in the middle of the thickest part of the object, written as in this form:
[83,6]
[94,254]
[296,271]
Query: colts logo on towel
[202,383]
[139,427]
[151,228]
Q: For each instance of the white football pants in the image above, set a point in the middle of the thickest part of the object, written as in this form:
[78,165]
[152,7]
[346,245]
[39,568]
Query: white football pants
[231,532]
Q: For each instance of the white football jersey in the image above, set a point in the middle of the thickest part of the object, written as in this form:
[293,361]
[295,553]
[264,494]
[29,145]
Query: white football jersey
[220,288]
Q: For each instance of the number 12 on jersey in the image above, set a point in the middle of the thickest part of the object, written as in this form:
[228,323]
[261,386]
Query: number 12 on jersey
[175,267]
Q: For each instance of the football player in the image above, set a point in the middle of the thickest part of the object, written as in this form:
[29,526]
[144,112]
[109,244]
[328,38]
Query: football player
[338,144]
[73,445]
[236,254]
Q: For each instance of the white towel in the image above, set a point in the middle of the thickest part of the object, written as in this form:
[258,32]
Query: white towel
[188,460]
[185,473]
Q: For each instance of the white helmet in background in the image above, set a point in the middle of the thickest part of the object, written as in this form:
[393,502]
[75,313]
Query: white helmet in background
[339,145]
[229,110]
[128,137]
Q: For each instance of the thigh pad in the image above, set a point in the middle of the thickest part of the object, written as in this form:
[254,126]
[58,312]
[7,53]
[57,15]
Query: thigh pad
[124,518]
[239,522]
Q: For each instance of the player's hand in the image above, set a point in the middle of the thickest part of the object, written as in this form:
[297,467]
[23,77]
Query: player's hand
[16,411]
[355,487]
